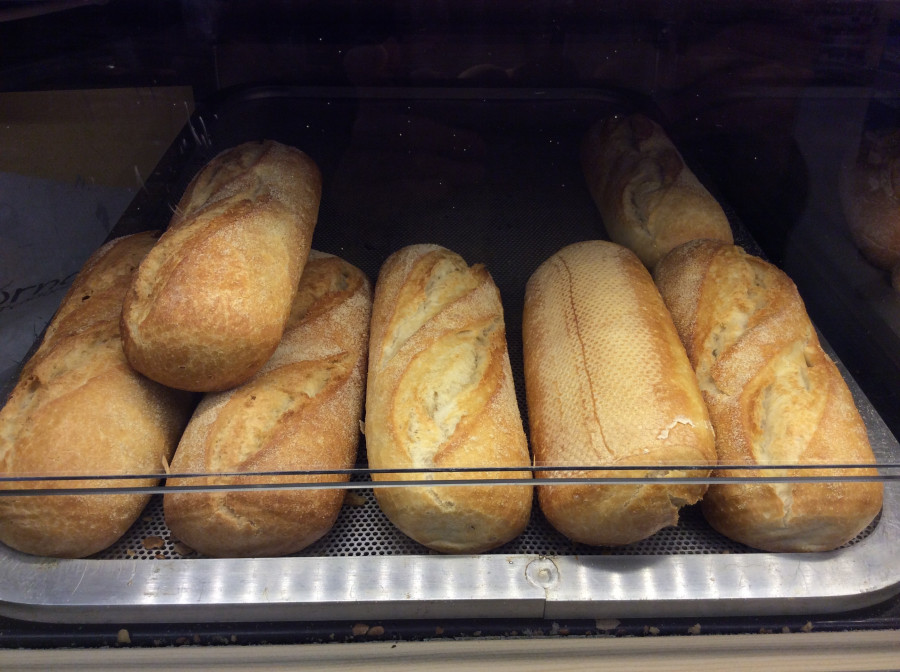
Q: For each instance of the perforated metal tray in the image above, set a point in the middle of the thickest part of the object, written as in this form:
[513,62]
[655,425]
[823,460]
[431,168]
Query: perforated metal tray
[531,203]
[366,569]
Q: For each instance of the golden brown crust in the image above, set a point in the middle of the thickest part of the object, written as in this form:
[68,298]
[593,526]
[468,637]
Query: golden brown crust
[300,412]
[209,303]
[79,409]
[440,395]
[649,200]
[774,397]
[608,383]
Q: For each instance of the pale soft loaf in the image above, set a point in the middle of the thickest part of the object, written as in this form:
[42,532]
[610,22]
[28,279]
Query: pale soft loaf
[774,397]
[209,304]
[648,198]
[300,412]
[440,395]
[80,409]
[608,383]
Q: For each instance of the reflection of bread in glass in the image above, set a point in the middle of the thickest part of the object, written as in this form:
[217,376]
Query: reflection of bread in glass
[870,196]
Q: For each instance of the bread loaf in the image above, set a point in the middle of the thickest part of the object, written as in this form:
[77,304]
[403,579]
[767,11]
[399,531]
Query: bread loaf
[774,397]
[79,409]
[649,200]
[300,412]
[440,395]
[209,304]
[608,383]
[870,196]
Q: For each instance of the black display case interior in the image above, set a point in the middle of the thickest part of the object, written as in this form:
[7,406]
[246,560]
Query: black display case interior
[456,123]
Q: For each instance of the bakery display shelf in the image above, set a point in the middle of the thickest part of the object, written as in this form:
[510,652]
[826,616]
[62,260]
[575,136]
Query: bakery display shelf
[497,179]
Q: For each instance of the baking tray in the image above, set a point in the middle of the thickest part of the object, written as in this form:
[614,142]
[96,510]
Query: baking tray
[493,175]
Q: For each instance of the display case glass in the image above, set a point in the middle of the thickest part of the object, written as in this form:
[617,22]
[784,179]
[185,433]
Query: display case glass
[468,126]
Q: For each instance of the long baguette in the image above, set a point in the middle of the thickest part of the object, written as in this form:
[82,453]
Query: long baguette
[774,397]
[209,303]
[608,383]
[300,412]
[440,395]
[80,409]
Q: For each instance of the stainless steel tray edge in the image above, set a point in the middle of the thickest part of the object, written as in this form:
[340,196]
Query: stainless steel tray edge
[267,589]
[731,585]
[403,587]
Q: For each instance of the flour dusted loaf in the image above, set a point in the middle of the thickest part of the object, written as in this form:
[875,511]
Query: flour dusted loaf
[440,395]
[649,200]
[774,397]
[208,305]
[608,383]
[80,409]
[300,412]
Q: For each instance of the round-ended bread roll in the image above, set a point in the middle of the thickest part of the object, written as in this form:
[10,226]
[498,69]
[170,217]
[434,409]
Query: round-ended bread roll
[608,383]
[301,412]
[774,398]
[440,395]
[209,303]
[648,198]
[80,409]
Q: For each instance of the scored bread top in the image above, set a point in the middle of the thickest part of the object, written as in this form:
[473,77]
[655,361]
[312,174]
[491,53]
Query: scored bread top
[95,297]
[80,409]
[774,397]
[323,346]
[79,359]
[648,198]
[440,395]
[234,430]
[757,356]
[444,374]
[208,304]
[300,412]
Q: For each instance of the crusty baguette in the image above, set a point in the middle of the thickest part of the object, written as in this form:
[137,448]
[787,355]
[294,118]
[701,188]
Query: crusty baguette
[300,412]
[649,200]
[440,395]
[209,303]
[774,397]
[79,409]
[608,383]
[870,195]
